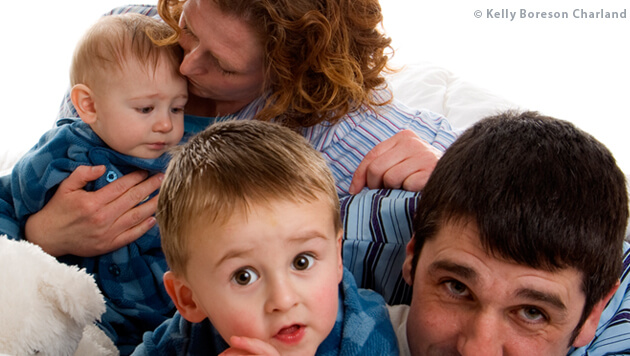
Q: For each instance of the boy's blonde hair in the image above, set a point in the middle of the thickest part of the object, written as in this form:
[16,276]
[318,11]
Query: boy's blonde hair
[231,166]
[113,40]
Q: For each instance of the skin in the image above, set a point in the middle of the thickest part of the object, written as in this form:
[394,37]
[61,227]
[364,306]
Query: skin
[136,113]
[223,59]
[467,302]
[224,64]
[278,265]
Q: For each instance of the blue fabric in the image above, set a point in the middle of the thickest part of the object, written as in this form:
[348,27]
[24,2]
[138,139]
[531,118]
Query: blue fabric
[130,277]
[377,227]
[362,328]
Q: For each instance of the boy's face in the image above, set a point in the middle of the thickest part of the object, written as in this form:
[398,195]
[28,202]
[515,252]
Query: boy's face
[140,112]
[468,302]
[272,274]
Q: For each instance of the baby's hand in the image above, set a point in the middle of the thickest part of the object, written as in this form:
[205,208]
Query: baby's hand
[241,346]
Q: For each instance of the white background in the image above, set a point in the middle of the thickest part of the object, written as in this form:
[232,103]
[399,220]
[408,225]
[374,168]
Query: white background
[573,69]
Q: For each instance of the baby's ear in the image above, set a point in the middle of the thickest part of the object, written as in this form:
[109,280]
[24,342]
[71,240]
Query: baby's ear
[182,295]
[83,100]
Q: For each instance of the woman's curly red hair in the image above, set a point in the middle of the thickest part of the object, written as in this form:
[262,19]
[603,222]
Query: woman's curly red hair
[323,58]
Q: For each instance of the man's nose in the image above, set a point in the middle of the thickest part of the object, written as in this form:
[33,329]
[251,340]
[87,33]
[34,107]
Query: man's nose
[482,334]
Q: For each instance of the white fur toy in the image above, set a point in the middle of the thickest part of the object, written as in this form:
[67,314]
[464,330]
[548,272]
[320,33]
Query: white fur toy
[47,307]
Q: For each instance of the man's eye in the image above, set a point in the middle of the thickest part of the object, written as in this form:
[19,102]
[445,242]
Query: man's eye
[245,276]
[303,262]
[457,288]
[532,314]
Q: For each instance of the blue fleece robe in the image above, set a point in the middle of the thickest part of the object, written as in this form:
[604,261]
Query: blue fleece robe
[362,328]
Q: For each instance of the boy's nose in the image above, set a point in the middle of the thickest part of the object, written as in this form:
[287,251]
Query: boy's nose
[281,296]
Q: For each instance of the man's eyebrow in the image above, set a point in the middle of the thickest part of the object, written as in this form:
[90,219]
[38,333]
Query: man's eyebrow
[548,298]
[462,271]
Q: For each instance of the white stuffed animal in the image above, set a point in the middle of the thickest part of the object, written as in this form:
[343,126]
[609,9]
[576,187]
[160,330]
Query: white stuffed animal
[47,307]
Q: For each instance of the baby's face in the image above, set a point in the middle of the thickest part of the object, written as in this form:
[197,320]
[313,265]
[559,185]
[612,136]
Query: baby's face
[272,274]
[140,112]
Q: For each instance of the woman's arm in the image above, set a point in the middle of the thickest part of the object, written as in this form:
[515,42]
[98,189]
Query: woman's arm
[87,224]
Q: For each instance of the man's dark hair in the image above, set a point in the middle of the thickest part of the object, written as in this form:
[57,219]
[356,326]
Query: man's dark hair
[541,192]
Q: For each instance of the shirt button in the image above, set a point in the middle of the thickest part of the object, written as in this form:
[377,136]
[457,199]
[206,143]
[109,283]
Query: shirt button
[114,269]
[111,176]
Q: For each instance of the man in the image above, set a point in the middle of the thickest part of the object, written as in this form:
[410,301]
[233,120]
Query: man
[518,242]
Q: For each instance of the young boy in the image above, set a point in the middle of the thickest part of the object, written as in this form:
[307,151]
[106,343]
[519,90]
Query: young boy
[518,244]
[251,229]
[130,97]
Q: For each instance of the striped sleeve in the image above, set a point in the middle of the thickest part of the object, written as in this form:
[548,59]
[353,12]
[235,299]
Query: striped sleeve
[377,227]
[345,144]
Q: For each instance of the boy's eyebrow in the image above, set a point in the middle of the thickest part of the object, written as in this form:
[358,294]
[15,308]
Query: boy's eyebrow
[233,254]
[463,271]
[308,235]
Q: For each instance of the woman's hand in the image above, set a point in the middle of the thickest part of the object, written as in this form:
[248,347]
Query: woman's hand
[248,346]
[87,224]
[402,161]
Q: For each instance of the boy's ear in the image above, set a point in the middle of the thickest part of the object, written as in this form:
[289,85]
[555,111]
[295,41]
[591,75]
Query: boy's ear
[83,100]
[587,331]
[339,258]
[408,264]
[182,296]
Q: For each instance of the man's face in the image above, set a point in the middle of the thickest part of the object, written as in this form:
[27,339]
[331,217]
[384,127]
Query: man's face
[468,302]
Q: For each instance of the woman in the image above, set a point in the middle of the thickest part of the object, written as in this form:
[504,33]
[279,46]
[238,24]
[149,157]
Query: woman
[316,66]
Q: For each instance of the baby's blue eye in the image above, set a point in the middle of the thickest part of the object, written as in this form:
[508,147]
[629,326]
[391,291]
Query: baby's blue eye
[303,262]
[145,110]
[245,276]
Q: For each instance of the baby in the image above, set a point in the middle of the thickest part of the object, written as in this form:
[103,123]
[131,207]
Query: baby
[130,97]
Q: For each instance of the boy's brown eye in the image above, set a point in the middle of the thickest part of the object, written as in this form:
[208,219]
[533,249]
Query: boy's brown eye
[303,262]
[245,276]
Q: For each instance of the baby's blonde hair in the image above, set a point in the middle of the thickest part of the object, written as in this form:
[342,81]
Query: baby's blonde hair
[230,167]
[113,40]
